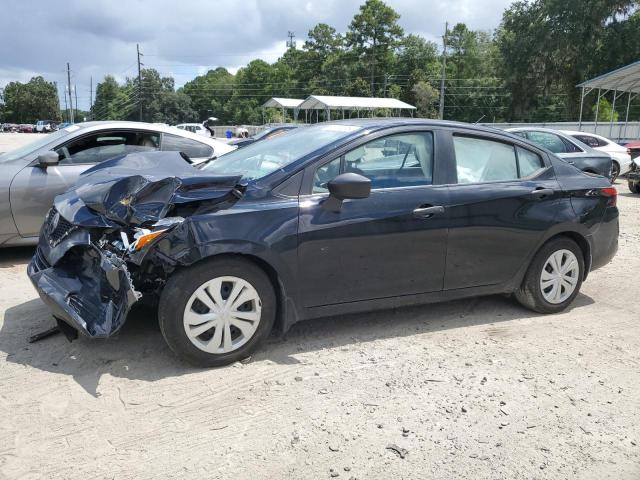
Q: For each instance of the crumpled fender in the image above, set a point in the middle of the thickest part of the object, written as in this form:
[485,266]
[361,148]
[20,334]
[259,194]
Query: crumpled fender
[141,188]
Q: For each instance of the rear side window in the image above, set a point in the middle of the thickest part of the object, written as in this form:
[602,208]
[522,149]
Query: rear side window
[483,160]
[193,149]
[528,162]
[593,142]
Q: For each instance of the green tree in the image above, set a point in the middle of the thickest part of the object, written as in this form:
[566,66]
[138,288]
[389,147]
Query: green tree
[605,111]
[373,35]
[549,46]
[210,93]
[109,96]
[28,102]
[426,97]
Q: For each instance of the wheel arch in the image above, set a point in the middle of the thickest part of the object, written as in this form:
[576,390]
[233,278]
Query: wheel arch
[582,242]
[286,311]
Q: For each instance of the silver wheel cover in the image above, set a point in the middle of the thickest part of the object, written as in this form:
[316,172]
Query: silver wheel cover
[559,276]
[222,315]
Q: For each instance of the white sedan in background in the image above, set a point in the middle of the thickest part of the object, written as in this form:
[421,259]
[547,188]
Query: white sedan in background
[196,128]
[619,155]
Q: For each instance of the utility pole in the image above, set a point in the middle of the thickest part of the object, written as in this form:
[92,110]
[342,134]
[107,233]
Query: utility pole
[444,68]
[139,81]
[66,108]
[75,92]
[291,43]
[69,90]
[373,68]
[91,95]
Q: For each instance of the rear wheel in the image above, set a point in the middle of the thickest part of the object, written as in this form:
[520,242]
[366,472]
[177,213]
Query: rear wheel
[554,277]
[217,312]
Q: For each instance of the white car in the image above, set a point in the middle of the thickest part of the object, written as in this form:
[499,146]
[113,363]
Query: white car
[620,156]
[45,126]
[196,128]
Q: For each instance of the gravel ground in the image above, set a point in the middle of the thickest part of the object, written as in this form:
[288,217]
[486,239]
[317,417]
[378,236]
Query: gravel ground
[468,389]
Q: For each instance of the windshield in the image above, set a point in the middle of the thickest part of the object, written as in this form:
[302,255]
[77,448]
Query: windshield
[262,158]
[31,147]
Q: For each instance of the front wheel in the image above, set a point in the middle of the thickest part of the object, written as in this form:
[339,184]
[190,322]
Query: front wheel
[634,187]
[554,277]
[217,312]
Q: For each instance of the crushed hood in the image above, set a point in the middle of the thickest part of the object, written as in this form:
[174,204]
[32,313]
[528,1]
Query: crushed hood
[140,188]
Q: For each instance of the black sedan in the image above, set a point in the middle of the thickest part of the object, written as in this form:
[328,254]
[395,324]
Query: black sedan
[334,218]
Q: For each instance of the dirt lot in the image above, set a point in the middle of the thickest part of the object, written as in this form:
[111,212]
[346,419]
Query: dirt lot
[467,389]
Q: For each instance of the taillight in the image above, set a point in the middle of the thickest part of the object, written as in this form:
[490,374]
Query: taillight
[612,194]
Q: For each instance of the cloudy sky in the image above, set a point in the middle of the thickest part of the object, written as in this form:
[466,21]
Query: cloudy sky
[187,37]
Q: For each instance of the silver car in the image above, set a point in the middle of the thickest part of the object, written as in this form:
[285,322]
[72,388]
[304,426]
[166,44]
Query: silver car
[570,149]
[31,176]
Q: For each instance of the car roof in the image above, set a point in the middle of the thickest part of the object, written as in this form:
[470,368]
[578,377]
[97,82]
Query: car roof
[380,123]
[588,134]
[156,127]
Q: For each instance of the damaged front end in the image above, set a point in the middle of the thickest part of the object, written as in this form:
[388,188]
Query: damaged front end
[91,263]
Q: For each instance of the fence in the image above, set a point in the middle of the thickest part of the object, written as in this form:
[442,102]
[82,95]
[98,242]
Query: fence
[616,131]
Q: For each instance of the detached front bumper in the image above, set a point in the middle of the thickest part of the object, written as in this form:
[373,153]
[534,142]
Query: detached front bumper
[87,288]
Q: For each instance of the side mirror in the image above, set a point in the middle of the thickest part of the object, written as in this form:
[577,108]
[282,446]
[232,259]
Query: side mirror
[48,159]
[346,186]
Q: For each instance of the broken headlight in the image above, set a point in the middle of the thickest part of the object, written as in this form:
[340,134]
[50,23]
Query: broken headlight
[145,236]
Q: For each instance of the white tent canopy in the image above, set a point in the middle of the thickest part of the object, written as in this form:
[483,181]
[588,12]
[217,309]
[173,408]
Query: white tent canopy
[277,102]
[323,102]
[623,80]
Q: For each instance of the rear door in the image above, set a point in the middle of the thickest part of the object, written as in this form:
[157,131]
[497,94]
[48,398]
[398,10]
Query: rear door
[34,188]
[504,199]
[382,246]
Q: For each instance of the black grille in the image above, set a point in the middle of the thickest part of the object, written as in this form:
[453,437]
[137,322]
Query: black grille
[39,261]
[57,227]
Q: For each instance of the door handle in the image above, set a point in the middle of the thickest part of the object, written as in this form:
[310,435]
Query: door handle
[542,192]
[428,212]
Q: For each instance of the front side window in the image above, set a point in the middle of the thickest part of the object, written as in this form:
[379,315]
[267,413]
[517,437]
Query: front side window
[395,161]
[481,160]
[191,148]
[98,147]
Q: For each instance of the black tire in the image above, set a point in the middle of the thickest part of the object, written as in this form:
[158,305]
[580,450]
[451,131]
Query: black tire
[530,294]
[184,283]
[615,171]
[634,186]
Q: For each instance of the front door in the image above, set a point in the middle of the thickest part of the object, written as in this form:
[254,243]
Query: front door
[34,188]
[392,243]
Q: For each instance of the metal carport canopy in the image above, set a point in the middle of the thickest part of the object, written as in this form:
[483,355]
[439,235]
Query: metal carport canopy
[277,102]
[324,102]
[623,80]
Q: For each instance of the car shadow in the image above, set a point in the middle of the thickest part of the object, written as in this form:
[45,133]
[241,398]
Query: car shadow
[15,256]
[139,352]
